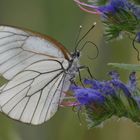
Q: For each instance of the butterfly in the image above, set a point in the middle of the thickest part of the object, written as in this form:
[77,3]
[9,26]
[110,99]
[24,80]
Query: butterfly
[39,71]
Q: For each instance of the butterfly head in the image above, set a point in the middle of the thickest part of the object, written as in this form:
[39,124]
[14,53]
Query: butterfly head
[77,51]
[74,62]
[76,54]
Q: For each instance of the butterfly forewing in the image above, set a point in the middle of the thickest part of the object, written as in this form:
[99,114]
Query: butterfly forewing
[19,49]
[35,66]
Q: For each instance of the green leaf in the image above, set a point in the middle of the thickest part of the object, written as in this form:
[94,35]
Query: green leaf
[131,67]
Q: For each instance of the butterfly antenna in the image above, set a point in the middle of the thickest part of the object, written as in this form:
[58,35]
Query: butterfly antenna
[80,28]
[78,42]
[94,45]
[133,43]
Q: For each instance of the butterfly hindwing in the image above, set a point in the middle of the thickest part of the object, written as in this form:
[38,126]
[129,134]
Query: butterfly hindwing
[33,96]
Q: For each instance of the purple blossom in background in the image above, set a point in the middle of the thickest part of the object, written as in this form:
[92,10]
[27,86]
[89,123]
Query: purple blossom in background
[116,5]
[116,12]
[120,17]
[111,6]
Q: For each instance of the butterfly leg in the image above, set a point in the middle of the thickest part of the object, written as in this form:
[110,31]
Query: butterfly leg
[88,70]
[80,78]
[73,82]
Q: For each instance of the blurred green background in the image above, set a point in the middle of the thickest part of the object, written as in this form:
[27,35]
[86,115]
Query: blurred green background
[61,19]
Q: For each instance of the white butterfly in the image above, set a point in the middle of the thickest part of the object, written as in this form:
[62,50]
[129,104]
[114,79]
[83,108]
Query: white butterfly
[39,70]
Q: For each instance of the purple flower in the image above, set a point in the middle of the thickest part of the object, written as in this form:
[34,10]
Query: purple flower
[119,16]
[118,3]
[114,75]
[107,9]
[103,99]
[99,91]
[94,83]
[87,96]
[105,87]
[113,6]
[121,86]
[138,37]
[118,85]
[132,81]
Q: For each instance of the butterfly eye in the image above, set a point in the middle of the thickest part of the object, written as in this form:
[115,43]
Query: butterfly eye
[78,54]
[72,55]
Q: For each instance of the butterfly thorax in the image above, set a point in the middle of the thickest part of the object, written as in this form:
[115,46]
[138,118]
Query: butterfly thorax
[71,73]
[73,65]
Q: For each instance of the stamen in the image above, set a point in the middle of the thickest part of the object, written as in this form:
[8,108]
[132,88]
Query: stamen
[80,4]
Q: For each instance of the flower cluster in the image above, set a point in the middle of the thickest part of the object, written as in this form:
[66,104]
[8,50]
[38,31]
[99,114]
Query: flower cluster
[119,16]
[103,99]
